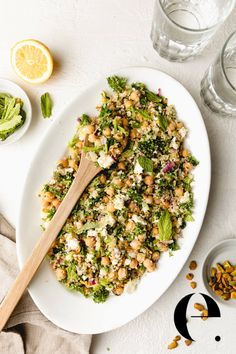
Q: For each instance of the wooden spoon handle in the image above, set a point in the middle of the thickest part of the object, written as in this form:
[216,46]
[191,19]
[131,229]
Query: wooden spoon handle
[84,175]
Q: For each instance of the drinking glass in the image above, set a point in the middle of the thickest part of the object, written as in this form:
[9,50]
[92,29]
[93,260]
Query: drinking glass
[182,28]
[218,86]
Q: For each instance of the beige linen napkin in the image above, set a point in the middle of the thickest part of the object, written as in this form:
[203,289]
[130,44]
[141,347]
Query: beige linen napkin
[28,331]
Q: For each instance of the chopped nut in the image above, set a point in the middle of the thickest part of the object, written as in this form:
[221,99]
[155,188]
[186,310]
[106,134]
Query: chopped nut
[173,345]
[199,307]
[204,315]
[213,272]
[188,342]
[189,276]
[193,284]
[177,338]
[193,265]
[233,295]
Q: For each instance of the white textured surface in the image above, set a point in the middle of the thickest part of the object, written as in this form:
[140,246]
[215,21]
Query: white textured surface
[88,39]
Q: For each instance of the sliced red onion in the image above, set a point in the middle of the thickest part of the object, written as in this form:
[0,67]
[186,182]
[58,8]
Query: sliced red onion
[168,167]
[159,92]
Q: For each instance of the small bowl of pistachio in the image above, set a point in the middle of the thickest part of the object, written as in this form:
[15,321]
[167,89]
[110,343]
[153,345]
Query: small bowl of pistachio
[219,272]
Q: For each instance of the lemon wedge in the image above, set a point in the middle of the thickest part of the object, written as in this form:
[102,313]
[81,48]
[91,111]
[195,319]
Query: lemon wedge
[32,61]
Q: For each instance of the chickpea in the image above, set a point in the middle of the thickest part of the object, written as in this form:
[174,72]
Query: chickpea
[122,273]
[118,290]
[156,256]
[118,182]
[48,197]
[157,201]
[110,191]
[140,257]
[145,124]
[179,192]
[148,199]
[110,207]
[105,261]
[179,125]
[130,225]
[155,231]
[102,179]
[63,163]
[133,134]
[135,244]
[185,153]
[148,180]
[172,126]
[188,166]
[60,273]
[89,129]
[92,138]
[73,164]
[118,136]
[149,265]
[134,96]
[106,131]
[112,275]
[133,264]
[45,204]
[90,241]
[125,122]
[121,166]
[56,203]
[128,104]
[129,183]
[105,200]
[142,237]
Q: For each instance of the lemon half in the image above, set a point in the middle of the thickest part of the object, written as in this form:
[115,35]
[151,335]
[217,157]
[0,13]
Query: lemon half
[32,61]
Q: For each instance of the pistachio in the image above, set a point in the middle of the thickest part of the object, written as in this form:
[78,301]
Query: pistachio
[188,342]
[233,295]
[193,265]
[177,338]
[223,280]
[199,307]
[193,284]
[213,272]
[173,345]
[204,315]
[189,276]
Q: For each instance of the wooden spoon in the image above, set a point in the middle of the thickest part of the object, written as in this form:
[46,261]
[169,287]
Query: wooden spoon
[86,172]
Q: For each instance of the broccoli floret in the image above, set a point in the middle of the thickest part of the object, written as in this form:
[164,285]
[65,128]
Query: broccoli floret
[101,294]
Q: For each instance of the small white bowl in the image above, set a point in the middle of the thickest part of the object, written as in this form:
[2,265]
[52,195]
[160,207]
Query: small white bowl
[7,86]
[222,251]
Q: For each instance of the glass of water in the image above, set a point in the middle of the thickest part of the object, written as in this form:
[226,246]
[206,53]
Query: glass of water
[182,28]
[218,86]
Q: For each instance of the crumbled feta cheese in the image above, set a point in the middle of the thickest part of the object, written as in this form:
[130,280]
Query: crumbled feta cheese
[84,277]
[145,207]
[138,178]
[72,244]
[103,272]
[89,257]
[105,160]
[108,220]
[183,132]
[104,232]
[119,202]
[173,143]
[137,168]
[92,233]
[127,262]
[138,219]
[82,132]
[184,198]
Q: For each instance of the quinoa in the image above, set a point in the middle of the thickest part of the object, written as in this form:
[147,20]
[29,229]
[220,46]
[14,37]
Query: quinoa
[136,208]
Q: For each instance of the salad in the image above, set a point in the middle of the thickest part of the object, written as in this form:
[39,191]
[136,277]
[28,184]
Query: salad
[137,207]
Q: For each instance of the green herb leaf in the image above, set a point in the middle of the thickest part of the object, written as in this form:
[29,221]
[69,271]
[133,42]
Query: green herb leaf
[84,120]
[117,83]
[165,226]
[146,163]
[162,122]
[143,113]
[88,226]
[151,96]
[46,105]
